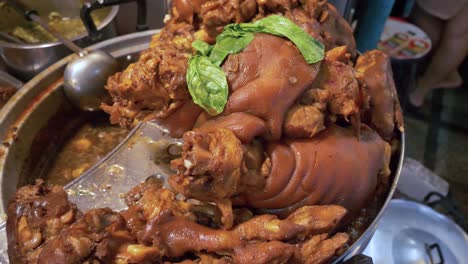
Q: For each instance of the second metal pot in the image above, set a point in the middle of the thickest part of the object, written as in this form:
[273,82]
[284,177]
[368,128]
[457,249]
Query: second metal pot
[27,60]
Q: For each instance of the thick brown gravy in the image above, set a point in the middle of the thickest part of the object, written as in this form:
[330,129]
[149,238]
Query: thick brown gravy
[91,142]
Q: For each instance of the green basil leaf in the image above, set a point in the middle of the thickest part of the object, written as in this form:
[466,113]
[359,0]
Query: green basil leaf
[242,28]
[202,47]
[229,42]
[207,84]
[312,49]
[206,80]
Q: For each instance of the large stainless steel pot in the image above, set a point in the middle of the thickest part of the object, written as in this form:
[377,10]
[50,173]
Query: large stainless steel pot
[38,103]
[33,120]
[42,102]
[413,232]
[27,60]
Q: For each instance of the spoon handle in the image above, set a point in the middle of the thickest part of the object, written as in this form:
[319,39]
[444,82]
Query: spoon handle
[72,46]
[33,15]
[11,81]
[3,244]
[10,38]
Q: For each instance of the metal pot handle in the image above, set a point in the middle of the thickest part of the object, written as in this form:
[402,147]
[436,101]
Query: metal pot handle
[88,22]
[17,84]
[429,249]
[449,205]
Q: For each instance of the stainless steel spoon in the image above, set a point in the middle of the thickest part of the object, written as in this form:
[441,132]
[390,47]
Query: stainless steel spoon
[86,75]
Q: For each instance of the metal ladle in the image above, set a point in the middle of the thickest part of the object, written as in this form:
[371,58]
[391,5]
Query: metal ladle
[86,75]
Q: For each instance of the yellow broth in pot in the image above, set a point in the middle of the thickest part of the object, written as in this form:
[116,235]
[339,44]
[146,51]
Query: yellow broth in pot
[30,32]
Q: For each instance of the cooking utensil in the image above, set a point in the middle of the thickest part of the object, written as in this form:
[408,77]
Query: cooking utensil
[7,79]
[27,60]
[10,38]
[85,76]
[411,232]
[30,113]
[29,116]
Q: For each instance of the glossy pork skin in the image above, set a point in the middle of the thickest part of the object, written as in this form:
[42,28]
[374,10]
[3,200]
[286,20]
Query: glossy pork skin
[244,126]
[266,78]
[36,214]
[314,161]
[374,73]
[157,227]
[287,142]
[334,167]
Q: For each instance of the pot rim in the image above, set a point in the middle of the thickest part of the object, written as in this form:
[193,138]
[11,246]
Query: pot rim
[19,108]
[110,16]
[364,238]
